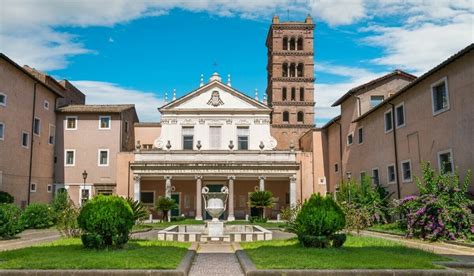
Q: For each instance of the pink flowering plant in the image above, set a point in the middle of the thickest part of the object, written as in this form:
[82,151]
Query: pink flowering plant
[441,211]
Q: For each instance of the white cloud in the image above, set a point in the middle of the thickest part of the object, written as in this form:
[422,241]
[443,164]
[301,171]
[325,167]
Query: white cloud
[338,12]
[97,92]
[327,93]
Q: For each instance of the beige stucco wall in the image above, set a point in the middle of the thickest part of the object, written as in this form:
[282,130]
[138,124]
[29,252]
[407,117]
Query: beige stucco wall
[17,117]
[147,133]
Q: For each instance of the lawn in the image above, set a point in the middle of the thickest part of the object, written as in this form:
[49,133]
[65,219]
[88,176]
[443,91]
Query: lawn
[389,228]
[70,254]
[357,253]
[268,225]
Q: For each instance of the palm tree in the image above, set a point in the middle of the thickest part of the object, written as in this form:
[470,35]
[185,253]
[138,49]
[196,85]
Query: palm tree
[166,204]
[261,200]
[140,213]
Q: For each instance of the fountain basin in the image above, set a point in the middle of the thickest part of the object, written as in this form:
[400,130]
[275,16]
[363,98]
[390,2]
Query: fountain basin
[232,233]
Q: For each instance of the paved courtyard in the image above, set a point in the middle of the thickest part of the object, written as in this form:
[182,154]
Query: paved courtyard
[29,238]
[215,259]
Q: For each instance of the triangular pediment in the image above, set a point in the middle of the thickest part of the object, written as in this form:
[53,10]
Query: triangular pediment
[215,96]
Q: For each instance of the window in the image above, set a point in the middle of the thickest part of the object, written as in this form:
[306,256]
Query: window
[336,167]
[406,171]
[286,117]
[445,161]
[362,175]
[300,116]
[105,192]
[388,121]
[283,94]
[50,188]
[375,176]
[104,122]
[300,70]
[350,138]
[147,197]
[300,44]
[103,157]
[46,105]
[293,94]
[243,138]
[2,131]
[292,43]
[375,100]
[284,70]
[71,122]
[285,43]
[391,177]
[33,187]
[37,126]
[147,146]
[301,94]
[400,115]
[292,70]
[70,157]
[360,135]
[126,126]
[215,137]
[3,99]
[25,139]
[85,193]
[440,96]
[188,137]
[52,134]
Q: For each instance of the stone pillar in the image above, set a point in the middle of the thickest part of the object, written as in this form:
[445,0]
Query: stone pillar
[261,183]
[293,190]
[198,197]
[136,187]
[231,216]
[168,191]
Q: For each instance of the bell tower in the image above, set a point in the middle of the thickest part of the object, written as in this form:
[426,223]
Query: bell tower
[290,80]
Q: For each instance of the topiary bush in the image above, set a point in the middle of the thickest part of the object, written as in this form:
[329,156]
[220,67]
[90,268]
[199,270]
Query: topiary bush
[38,216]
[318,222]
[9,221]
[6,197]
[105,221]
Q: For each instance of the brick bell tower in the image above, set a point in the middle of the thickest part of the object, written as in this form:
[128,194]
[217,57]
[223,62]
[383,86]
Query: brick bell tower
[290,87]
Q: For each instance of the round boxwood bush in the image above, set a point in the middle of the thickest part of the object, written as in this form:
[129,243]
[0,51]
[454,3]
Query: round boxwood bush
[9,221]
[318,223]
[105,221]
[6,197]
[37,216]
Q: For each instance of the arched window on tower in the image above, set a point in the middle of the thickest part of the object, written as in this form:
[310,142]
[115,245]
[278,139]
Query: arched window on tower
[284,70]
[300,44]
[293,94]
[300,116]
[293,70]
[292,43]
[301,94]
[286,117]
[285,43]
[283,94]
[300,70]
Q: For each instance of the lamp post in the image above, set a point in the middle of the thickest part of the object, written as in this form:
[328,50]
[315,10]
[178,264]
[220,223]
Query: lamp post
[349,175]
[85,196]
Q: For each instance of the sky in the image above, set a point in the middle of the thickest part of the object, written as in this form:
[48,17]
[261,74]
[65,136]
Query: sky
[135,51]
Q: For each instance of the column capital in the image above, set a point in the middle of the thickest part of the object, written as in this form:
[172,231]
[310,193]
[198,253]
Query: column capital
[198,177]
[293,178]
[262,177]
[231,177]
[168,177]
[136,178]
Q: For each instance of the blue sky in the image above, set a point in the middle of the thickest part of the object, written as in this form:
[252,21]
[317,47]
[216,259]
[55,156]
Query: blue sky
[134,51]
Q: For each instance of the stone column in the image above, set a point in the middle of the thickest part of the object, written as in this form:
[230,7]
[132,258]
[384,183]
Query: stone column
[198,197]
[168,191]
[293,190]
[231,216]
[136,187]
[261,183]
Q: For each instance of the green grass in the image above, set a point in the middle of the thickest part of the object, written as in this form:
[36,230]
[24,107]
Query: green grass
[357,253]
[162,225]
[70,254]
[389,228]
[268,225]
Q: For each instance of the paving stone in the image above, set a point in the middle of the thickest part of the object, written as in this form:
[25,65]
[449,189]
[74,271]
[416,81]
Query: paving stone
[215,264]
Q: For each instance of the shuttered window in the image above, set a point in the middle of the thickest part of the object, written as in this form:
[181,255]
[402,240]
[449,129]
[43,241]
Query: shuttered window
[215,137]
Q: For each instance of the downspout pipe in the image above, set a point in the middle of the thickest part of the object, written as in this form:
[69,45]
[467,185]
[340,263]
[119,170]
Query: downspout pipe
[394,131]
[28,199]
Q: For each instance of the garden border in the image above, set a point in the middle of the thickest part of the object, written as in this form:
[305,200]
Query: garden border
[182,269]
[250,269]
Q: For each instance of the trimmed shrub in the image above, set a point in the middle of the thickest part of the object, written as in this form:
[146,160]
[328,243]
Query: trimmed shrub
[318,222]
[6,197]
[105,221]
[9,221]
[37,216]
[66,217]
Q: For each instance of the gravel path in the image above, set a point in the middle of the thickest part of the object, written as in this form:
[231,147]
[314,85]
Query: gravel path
[215,259]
